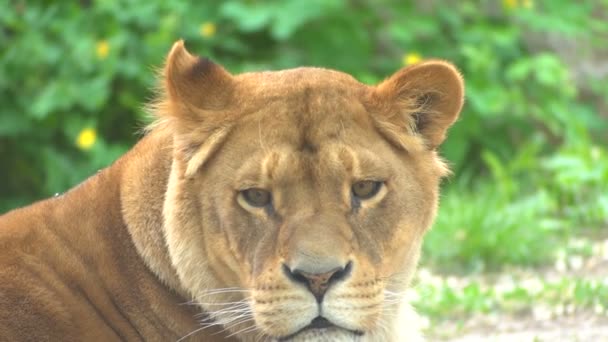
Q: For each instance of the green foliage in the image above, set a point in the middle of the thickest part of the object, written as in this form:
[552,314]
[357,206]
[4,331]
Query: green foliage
[530,206]
[444,301]
[528,152]
[483,229]
[579,181]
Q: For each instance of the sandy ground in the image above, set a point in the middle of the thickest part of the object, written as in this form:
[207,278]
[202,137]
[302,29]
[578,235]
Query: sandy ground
[583,326]
[577,325]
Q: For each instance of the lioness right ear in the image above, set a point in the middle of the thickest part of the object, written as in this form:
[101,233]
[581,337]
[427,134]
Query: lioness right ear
[419,103]
[197,95]
[195,83]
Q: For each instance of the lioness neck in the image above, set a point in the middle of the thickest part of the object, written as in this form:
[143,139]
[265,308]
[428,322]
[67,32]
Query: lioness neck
[91,264]
[144,178]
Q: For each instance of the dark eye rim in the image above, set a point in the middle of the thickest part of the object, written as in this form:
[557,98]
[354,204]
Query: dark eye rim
[378,184]
[246,196]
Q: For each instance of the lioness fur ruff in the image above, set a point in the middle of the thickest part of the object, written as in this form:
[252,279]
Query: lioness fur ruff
[265,206]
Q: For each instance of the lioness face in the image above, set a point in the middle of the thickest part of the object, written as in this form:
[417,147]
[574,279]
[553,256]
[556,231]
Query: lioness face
[298,199]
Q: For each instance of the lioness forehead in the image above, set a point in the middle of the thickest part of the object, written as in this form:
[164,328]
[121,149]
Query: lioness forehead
[309,101]
[293,81]
[304,107]
[307,120]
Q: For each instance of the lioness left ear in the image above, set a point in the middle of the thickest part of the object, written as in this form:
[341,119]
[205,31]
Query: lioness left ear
[421,100]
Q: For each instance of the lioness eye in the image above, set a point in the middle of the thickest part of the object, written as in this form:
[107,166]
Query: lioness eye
[366,189]
[256,197]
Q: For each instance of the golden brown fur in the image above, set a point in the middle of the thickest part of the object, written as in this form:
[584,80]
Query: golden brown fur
[119,255]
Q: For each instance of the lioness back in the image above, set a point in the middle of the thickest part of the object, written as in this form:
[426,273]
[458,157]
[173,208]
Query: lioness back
[286,205]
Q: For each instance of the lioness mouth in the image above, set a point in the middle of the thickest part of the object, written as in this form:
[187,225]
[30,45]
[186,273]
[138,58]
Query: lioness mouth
[318,323]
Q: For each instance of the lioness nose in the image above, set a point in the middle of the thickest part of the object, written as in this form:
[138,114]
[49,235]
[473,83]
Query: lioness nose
[318,283]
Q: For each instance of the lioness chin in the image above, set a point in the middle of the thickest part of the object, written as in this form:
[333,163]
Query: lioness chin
[268,206]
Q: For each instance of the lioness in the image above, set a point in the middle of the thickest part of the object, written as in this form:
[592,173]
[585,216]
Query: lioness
[267,206]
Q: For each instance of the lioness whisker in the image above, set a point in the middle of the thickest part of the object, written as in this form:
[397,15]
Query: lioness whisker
[262,338]
[196,302]
[249,329]
[393,295]
[191,333]
[216,291]
[234,324]
[230,308]
[242,302]
[224,316]
[394,276]
[224,326]
[228,317]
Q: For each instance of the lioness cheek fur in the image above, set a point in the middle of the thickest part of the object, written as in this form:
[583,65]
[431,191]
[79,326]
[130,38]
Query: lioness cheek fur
[287,205]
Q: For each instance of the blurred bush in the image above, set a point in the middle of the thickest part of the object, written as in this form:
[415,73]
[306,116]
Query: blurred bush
[75,76]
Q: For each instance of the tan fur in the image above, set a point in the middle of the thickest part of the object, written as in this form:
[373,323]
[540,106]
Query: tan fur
[119,255]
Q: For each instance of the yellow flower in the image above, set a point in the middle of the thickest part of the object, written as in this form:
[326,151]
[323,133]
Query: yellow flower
[411,58]
[102,49]
[510,4]
[527,4]
[208,29]
[86,138]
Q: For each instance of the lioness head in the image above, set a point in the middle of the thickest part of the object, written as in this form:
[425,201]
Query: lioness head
[298,199]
